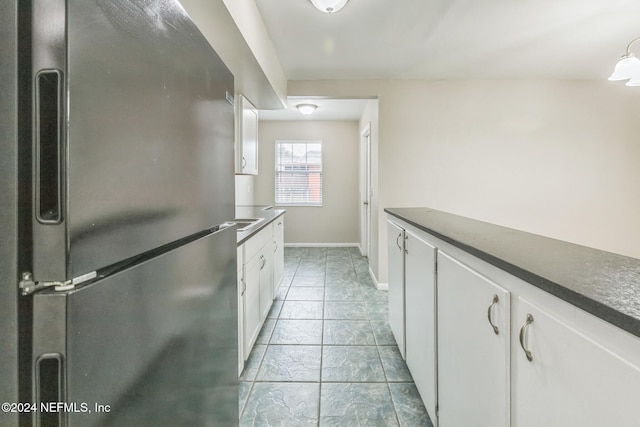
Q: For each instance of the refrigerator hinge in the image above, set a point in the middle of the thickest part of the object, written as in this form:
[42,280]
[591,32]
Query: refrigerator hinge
[29,286]
[230,98]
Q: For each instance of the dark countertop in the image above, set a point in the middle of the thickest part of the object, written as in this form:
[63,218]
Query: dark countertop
[269,213]
[602,283]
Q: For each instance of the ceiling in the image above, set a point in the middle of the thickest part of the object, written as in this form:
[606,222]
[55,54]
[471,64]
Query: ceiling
[328,109]
[445,39]
[451,39]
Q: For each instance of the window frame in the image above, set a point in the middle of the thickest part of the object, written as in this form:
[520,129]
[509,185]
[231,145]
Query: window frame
[278,173]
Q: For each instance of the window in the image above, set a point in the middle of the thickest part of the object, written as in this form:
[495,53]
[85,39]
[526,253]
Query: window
[299,173]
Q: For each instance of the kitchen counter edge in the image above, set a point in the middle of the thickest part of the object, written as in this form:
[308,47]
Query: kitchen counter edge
[602,283]
[270,214]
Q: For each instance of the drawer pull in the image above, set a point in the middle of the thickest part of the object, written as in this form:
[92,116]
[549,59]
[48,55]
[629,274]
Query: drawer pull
[490,310]
[523,331]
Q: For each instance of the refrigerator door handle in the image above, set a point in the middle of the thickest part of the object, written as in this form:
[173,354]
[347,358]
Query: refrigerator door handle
[49,115]
[50,242]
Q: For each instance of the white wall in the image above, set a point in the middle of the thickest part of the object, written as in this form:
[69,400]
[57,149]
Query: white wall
[337,221]
[245,190]
[556,158]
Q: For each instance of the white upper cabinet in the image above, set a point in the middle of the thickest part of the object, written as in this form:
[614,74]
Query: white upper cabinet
[246,137]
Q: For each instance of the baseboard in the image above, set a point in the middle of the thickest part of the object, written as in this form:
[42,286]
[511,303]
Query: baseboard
[379,286]
[320,245]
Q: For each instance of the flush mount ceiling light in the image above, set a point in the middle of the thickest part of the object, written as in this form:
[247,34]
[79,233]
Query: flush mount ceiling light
[306,109]
[628,67]
[328,6]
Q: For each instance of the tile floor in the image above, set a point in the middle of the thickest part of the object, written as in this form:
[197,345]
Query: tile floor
[326,355]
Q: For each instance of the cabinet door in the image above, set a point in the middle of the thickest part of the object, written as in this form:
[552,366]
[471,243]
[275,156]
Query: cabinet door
[266,280]
[278,257]
[570,380]
[473,360]
[241,292]
[247,137]
[420,317]
[395,243]
[251,303]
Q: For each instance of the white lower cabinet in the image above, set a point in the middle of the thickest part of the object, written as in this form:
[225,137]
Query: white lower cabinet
[420,323]
[278,253]
[252,318]
[486,348]
[260,271]
[395,239]
[571,380]
[412,298]
[473,347]
[240,268]
[266,280]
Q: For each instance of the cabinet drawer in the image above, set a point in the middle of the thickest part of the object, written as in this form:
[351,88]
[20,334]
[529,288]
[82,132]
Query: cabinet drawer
[278,225]
[257,242]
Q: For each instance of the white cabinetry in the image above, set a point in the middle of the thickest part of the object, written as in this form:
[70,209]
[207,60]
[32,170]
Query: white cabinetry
[259,274]
[278,253]
[241,290]
[473,347]
[246,137]
[582,371]
[252,298]
[266,280]
[420,318]
[395,239]
[572,379]
[412,297]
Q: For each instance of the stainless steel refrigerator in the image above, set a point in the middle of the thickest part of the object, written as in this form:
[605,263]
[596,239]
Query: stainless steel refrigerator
[118,301]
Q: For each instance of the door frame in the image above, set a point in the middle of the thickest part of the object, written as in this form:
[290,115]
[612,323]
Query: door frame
[365,190]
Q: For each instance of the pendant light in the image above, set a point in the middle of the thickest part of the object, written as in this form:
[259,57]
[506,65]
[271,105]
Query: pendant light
[328,6]
[628,67]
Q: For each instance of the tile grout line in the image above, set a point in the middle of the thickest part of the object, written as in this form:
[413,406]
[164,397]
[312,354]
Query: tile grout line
[324,257]
[324,282]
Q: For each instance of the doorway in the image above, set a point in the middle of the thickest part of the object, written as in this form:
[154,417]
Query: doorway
[365,190]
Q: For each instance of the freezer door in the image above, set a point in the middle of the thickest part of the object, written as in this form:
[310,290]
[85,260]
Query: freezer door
[154,345]
[133,132]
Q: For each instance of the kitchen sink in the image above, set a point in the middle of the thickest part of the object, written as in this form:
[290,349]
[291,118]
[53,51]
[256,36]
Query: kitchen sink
[246,223]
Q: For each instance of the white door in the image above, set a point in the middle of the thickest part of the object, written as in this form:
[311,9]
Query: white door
[473,357]
[571,380]
[395,246]
[420,316]
[365,190]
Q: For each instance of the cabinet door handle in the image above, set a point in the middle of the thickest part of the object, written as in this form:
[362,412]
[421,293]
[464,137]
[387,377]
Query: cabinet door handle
[490,310]
[398,238]
[523,331]
[244,287]
[244,162]
[264,262]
